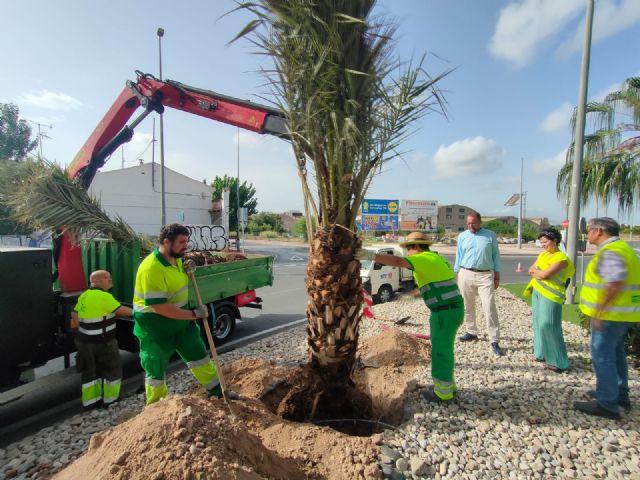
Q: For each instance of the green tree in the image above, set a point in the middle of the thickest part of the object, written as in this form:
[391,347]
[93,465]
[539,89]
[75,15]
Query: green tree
[611,166]
[265,221]
[349,104]
[15,134]
[247,196]
[300,227]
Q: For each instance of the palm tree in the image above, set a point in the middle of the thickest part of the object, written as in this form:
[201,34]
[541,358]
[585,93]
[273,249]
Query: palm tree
[611,171]
[349,105]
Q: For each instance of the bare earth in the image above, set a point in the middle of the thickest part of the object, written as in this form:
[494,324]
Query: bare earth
[193,437]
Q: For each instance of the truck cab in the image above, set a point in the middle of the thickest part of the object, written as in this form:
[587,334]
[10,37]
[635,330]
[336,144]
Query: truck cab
[382,282]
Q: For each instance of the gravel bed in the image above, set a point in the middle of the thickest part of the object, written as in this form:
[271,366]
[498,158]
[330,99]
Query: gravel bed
[511,418]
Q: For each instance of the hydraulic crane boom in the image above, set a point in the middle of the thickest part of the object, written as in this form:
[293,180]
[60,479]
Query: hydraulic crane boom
[112,131]
[153,95]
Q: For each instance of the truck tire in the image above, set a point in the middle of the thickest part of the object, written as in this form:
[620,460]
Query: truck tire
[223,325]
[385,294]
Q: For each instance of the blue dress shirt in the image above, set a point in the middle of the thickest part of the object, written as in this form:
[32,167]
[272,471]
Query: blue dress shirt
[478,250]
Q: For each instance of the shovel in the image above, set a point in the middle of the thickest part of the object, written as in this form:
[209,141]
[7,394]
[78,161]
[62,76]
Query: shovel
[402,321]
[189,268]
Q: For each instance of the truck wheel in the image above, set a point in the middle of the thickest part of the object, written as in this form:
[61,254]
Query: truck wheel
[385,294]
[223,325]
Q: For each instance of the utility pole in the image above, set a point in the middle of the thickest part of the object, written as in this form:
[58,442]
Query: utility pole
[576,178]
[160,33]
[238,198]
[520,215]
[40,135]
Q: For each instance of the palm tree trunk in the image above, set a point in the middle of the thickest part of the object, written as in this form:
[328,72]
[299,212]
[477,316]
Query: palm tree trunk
[335,297]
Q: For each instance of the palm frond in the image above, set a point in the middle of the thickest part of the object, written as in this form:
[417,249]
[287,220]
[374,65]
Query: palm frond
[349,102]
[42,195]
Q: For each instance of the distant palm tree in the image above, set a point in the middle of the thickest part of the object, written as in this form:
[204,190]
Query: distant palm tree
[611,168]
[350,105]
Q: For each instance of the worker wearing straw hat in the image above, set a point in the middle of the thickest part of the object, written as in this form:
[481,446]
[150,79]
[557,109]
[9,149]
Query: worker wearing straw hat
[436,284]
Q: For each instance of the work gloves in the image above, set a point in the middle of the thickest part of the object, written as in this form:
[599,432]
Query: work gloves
[365,254]
[201,312]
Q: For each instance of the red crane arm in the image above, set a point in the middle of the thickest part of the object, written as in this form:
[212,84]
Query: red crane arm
[154,95]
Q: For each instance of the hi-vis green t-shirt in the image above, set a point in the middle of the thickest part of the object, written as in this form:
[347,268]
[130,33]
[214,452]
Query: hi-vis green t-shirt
[157,282]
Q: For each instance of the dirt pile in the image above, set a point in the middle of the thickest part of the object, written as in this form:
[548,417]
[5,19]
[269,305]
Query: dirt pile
[193,437]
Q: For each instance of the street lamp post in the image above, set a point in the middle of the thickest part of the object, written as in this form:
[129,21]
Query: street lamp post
[576,177]
[163,207]
[238,198]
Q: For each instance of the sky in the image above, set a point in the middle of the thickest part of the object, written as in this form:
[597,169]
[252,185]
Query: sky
[509,99]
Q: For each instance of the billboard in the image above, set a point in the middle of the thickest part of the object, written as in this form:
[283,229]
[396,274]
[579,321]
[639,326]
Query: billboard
[372,206]
[379,214]
[419,215]
[380,222]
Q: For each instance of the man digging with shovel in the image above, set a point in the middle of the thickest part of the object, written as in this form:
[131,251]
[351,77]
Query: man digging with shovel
[163,324]
[437,287]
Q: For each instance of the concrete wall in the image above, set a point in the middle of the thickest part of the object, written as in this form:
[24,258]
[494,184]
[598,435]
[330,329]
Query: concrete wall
[134,194]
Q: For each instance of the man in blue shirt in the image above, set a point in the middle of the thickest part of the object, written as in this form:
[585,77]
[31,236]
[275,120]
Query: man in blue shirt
[478,268]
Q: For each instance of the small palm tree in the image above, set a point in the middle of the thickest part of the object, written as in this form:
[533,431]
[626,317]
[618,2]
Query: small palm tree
[611,169]
[349,105]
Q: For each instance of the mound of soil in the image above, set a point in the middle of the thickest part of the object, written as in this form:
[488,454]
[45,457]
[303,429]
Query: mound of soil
[194,437]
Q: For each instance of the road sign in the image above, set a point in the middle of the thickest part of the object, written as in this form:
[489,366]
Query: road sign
[243,216]
[565,224]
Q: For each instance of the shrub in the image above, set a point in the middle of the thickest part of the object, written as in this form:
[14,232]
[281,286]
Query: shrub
[268,234]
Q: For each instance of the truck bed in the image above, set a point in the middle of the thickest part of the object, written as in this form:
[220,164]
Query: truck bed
[228,279]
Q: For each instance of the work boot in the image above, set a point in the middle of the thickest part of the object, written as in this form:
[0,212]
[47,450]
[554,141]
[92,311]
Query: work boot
[217,392]
[93,406]
[467,337]
[430,395]
[594,408]
[626,404]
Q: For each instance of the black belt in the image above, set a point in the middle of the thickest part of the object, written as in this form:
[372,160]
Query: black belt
[446,307]
[476,270]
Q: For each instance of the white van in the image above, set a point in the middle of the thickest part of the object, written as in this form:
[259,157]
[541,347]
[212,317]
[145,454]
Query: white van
[383,282]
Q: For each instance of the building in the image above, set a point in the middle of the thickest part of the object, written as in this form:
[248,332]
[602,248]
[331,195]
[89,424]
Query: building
[453,217]
[134,194]
[290,218]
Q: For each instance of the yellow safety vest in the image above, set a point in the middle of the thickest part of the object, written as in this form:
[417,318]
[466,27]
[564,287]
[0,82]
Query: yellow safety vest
[435,279]
[96,315]
[626,306]
[554,286]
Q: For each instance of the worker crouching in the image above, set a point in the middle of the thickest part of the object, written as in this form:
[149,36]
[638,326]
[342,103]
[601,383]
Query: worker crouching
[436,284]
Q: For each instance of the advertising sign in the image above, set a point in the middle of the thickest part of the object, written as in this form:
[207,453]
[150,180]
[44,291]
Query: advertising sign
[380,222]
[419,215]
[372,206]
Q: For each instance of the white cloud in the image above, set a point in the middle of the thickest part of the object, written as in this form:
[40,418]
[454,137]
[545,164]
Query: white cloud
[247,140]
[610,17]
[523,26]
[558,120]
[550,165]
[50,100]
[470,156]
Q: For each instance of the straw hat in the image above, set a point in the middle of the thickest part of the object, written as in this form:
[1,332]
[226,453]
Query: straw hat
[416,238]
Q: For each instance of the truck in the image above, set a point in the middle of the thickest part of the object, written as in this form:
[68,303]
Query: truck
[35,317]
[383,282]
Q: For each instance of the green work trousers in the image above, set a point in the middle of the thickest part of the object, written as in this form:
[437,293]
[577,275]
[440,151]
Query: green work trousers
[444,325]
[157,350]
[101,369]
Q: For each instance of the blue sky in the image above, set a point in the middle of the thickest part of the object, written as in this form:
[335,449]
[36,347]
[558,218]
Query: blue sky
[510,97]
